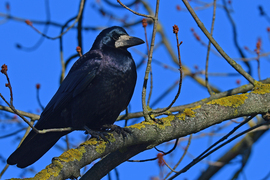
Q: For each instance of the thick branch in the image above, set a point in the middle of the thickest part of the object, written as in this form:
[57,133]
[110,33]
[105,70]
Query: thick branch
[192,120]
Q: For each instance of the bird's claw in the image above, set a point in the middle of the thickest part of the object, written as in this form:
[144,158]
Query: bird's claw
[97,134]
[117,129]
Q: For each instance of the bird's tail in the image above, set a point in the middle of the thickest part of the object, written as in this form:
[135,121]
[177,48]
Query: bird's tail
[34,147]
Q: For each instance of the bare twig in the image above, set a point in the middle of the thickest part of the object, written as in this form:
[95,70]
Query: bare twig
[76,20]
[208,152]
[38,99]
[236,66]
[163,153]
[258,50]
[148,68]
[175,31]
[235,36]
[144,23]
[11,106]
[25,134]
[169,166]
[30,115]
[208,50]
[182,157]
[139,14]
[13,133]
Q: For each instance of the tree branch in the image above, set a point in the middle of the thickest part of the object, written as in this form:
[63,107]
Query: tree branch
[150,134]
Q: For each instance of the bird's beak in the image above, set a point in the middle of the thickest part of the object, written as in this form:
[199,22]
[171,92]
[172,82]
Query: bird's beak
[126,41]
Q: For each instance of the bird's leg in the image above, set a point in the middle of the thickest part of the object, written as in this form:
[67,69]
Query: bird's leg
[118,129]
[97,134]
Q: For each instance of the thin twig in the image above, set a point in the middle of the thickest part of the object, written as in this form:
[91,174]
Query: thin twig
[38,99]
[30,115]
[168,166]
[11,134]
[144,23]
[35,129]
[148,67]
[208,49]
[163,153]
[236,66]
[182,157]
[258,51]
[208,152]
[4,71]
[76,20]
[165,93]
[139,14]
[235,36]
[24,136]
[175,30]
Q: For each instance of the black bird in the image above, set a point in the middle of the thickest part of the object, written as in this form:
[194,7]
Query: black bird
[97,88]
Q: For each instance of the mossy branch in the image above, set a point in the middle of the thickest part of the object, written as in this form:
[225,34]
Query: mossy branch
[150,134]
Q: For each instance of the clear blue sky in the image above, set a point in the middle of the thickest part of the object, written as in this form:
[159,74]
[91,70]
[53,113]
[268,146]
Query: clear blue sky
[27,68]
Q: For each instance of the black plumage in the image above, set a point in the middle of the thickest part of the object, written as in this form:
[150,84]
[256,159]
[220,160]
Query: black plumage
[97,88]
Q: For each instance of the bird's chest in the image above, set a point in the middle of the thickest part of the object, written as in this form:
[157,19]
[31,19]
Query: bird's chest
[116,80]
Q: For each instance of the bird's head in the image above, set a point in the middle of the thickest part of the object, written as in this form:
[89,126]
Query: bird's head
[116,37]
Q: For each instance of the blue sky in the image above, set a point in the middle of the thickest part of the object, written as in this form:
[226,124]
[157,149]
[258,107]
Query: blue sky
[27,68]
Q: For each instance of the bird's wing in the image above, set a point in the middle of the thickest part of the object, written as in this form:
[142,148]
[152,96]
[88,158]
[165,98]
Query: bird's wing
[79,77]
[85,82]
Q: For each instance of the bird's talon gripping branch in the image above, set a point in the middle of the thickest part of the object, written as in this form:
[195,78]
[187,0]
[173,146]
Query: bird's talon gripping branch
[117,129]
[97,134]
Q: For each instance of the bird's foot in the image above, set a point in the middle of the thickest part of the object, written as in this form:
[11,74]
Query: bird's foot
[117,129]
[97,134]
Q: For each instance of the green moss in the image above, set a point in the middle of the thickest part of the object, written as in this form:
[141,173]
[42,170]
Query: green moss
[233,101]
[140,125]
[72,154]
[244,86]
[261,88]
[101,145]
[92,141]
[181,116]
[50,170]
[205,99]
[187,112]
[100,148]
[235,112]
[166,121]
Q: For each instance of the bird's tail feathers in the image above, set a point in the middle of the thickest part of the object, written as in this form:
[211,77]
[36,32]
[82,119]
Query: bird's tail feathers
[34,147]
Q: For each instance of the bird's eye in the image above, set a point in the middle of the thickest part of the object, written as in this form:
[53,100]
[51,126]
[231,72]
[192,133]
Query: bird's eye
[115,36]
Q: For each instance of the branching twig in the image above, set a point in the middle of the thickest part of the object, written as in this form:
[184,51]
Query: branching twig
[208,152]
[236,66]
[175,31]
[28,22]
[148,68]
[182,157]
[14,110]
[228,13]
